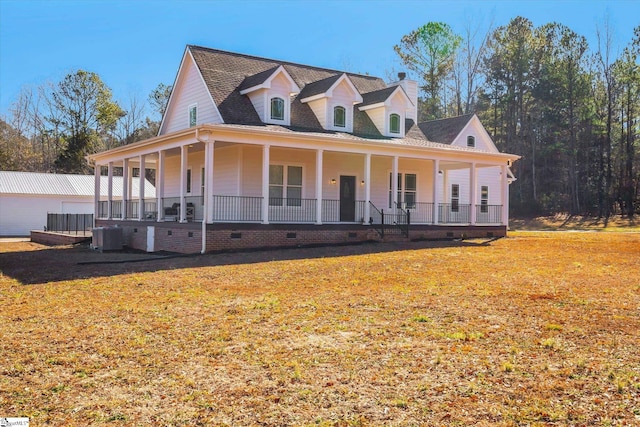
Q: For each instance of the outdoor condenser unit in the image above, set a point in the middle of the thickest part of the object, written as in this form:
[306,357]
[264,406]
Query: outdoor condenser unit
[107,239]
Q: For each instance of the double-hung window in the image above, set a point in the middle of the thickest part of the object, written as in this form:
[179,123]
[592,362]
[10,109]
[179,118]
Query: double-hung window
[193,115]
[285,184]
[277,108]
[455,197]
[189,181]
[471,141]
[407,189]
[484,199]
[339,117]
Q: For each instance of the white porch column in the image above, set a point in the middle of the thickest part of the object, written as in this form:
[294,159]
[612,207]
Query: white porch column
[473,193]
[110,191]
[394,182]
[96,191]
[319,161]
[141,183]
[367,188]
[436,199]
[505,195]
[184,157]
[265,184]
[208,182]
[125,187]
[160,185]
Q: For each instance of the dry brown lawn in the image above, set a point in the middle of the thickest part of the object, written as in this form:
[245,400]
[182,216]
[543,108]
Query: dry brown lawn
[539,329]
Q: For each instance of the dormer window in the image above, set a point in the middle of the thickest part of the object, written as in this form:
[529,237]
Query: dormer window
[331,100]
[277,109]
[387,109]
[339,116]
[471,141]
[394,123]
[270,92]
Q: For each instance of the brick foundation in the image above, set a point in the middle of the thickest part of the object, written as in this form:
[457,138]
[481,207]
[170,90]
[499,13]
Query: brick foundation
[187,238]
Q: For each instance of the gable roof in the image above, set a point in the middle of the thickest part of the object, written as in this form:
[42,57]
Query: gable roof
[225,72]
[51,184]
[377,96]
[263,80]
[445,130]
[257,79]
[316,88]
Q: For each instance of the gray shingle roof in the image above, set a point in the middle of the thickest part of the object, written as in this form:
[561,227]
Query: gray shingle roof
[321,86]
[444,130]
[256,79]
[227,73]
[377,96]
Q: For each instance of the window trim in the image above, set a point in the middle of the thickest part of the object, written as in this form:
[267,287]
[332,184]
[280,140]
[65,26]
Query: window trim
[402,190]
[471,141]
[391,129]
[455,197]
[193,118]
[337,108]
[285,185]
[484,198]
[284,106]
[188,183]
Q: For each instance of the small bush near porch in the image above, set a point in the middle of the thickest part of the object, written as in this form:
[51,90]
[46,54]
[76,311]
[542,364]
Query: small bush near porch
[535,329]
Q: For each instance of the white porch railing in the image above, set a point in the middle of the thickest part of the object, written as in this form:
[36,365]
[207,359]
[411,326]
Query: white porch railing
[248,209]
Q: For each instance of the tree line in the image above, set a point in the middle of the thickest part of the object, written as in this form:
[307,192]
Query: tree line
[51,128]
[572,111]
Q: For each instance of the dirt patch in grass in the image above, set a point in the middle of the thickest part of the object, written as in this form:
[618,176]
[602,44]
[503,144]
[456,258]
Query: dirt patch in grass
[535,329]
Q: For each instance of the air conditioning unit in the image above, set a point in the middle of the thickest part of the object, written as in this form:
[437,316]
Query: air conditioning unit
[107,239]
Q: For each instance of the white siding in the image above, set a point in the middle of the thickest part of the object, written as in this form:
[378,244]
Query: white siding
[489,176]
[319,108]
[226,172]
[475,129]
[19,214]
[411,89]
[456,176]
[377,116]
[398,106]
[189,90]
[304,158]
[343,96]
[258,100]
[336,164]
[251,179]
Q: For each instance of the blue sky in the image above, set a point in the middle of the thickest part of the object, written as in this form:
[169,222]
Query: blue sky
[134,45]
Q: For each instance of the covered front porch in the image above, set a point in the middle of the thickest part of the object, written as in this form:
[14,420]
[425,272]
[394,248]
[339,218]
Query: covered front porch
[217,178]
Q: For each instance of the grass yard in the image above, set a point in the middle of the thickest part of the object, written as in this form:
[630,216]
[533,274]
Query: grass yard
[537,329]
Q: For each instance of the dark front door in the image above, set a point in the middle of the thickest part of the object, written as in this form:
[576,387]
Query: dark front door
[347,198]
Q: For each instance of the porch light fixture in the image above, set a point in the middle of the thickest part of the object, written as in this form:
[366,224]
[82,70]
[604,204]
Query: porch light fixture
[333,181]
[362,182]
[439,172]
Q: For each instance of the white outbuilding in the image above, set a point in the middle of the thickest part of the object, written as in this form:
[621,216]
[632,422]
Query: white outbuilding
[27,197]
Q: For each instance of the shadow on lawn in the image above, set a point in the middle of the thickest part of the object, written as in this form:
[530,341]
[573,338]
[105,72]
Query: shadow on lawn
[31,267]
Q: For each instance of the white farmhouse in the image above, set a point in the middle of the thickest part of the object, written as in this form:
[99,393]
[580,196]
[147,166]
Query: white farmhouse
[255,152]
